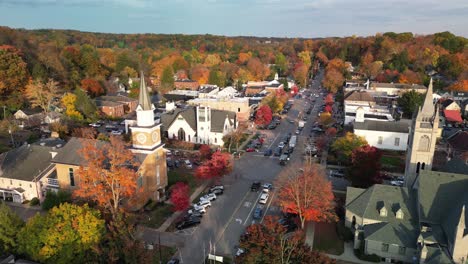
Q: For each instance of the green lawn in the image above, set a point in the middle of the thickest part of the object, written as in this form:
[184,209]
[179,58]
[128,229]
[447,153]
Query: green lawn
[155,218]
[390,161]
[182,175]
[166,254]
[326,239]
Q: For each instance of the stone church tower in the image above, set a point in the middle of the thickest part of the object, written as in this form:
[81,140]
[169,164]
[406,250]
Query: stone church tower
[422,140]
[146,143]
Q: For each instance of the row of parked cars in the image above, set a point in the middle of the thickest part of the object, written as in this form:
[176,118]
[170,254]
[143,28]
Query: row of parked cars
[195,213]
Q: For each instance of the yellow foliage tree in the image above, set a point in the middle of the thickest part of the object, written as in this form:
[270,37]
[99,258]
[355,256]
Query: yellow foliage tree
[68,101]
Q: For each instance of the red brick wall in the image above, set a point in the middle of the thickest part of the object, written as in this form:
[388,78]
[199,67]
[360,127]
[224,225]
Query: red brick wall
[186,85]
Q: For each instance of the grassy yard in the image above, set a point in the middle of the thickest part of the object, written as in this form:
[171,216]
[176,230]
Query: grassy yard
[390,161]
[166,254]
[156,217]
[182,175]
[326,239]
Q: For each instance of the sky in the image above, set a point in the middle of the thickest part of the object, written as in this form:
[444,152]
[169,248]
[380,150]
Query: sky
[265,18]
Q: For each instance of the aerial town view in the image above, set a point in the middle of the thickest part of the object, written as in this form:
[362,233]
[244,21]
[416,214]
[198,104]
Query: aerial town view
[233,131]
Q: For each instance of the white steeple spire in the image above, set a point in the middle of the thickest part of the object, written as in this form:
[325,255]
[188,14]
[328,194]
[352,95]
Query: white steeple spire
[145,109]
[428,106]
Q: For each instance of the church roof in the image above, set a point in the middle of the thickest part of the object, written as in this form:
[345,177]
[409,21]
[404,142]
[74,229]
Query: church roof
[190,116]
[397,126]
[359,96]
[144,100]
[427,109]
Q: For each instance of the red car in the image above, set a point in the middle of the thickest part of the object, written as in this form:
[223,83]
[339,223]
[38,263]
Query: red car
[250,149]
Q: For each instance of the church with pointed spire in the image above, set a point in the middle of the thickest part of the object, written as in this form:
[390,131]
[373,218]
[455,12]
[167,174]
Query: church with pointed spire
[423,137]
[147,144]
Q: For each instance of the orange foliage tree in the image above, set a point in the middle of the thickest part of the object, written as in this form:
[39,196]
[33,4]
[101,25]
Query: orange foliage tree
[259,70]
[307,194]
[200,74]
[110,174]
[92,86]
[220,164]
[460,86]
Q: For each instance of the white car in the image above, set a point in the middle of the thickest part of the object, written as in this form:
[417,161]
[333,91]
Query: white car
[203,203]
[188,164]
[397,183]
[208,197]
[263,198]
[116,132]
[281,144]
[95,125]
[196,208]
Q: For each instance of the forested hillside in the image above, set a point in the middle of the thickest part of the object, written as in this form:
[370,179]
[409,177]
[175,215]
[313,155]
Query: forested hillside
[88,60]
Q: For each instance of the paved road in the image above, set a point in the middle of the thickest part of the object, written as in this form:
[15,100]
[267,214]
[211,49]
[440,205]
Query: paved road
[232,212]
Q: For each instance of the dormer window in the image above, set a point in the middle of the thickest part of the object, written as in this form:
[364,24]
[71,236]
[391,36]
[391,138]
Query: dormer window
[399,214]
[383,211]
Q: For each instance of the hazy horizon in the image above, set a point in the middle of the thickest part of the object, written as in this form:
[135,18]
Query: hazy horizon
[254,18]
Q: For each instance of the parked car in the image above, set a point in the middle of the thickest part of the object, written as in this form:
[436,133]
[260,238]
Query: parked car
[214,187]
[258,213]
[298,132]
[173,261]
[197,208]
[255,186]
[169,162]
[268,152]
[278,151]
[95,125]
[217,191]
[337,173]
[263,198]
[268,186]
[188,164]
[188,223]
[116,132]
[397,183]
[208,197]
[271,126]
[250,149]
[281,145]
[204,203]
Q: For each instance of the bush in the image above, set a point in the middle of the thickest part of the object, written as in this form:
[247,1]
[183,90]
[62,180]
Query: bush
[54,199]
[344,233]
[362,256]
[34,201]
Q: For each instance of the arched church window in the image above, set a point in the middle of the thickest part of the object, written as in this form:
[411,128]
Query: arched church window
[424,143]
[181,134]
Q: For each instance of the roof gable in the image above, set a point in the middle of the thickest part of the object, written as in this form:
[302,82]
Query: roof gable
[359,95]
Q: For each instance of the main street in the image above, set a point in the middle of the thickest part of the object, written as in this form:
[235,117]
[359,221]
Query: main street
[231,213]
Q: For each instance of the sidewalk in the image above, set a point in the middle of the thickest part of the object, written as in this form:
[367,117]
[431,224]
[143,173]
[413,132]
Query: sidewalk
[175,215]
[168,239]
[348,255]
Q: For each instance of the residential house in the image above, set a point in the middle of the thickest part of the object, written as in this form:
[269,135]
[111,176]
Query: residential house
[227,92]
[208,91]
[147,148]
[52,117]
[457,145]
[424,225]
[199,124]
[383,135]
[129,104]
[452,116]
[254,87]
[240,106]
[181,95]
[186,85]
[29,117]
[449,104]
[26,172]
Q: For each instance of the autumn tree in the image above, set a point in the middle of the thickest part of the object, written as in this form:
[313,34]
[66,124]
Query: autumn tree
[180,196]
[200,74]
[409,102]
[263,116]
[235,137]
[274,102]
[92,87]
[307,194]
[258,70]
[110,176]
[205,152]
[345,145]
[85,104]
[329,99]
[13,71]
[85,132]
[66,234]
[68,102]
[269,242]
[41,94]
[10,225]
[333,80]
[300,74]
[460,86]
[326,119]
[167,79]
[365,168]
[328,108]
[219,165]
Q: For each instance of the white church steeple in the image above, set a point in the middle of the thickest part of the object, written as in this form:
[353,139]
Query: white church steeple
[145,109]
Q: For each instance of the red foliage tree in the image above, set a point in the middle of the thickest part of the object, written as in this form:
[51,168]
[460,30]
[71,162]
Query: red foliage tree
[205,152]
[220,164]
[294,89]
[365,169]
[92,86]
[263,116]
[331,132]
[329,99]
[270,243]
[308,194]
[180,196]
[328,108]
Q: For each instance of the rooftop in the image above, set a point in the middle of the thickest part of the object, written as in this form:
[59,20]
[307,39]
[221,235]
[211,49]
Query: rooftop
[402,126]
[359,95]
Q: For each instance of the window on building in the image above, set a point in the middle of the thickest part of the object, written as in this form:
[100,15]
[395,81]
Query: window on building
[140,181]
[11,182]
[71,174]
[30,185]
[380,140]
[397,141]
[238,109]
[402,250]
[158,176]
[216,140]
[384,247]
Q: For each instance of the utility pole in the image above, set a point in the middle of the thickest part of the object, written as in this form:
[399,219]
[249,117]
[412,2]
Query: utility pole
[4,112]
[159,248]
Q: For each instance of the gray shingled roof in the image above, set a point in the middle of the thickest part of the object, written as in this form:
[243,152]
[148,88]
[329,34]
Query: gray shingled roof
[455,165]
[437,255]
[402,233]
[218,117]
[26,162]
[369,202]
[390,126]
